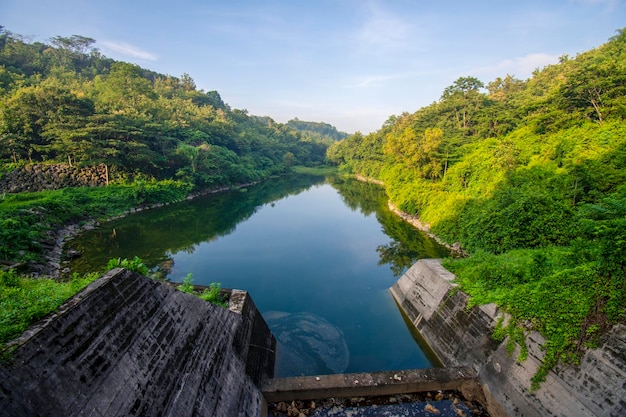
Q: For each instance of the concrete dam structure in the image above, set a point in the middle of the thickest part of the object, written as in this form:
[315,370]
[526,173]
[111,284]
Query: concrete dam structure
[130,346]
[460,336]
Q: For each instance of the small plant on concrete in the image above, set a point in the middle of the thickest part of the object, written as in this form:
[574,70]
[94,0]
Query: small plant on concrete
[212,295]
[187,285]
[135,265]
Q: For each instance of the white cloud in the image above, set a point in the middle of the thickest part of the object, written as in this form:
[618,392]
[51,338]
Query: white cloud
[129,50]
[521,67]
[382,80]
[371,81]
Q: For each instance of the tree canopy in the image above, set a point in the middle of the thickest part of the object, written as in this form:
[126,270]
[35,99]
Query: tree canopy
[65,102]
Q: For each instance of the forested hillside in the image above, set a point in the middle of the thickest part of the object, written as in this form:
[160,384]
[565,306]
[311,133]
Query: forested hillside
[65,102]
[317,130]
[530,177]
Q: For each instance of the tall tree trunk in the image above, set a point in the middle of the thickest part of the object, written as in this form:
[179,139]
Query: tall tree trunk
[597,108]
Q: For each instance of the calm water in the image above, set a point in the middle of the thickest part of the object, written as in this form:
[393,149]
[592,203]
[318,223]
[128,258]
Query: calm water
[317,256]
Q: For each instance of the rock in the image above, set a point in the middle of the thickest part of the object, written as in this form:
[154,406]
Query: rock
[72,254]
[429,408]
[37,177]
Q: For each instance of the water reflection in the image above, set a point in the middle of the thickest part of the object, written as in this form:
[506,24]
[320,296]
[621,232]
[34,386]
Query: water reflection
[156,235]
[324,259]
[407,244]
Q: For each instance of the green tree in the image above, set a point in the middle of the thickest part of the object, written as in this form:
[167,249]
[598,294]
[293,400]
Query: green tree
[289,160]
[124,90]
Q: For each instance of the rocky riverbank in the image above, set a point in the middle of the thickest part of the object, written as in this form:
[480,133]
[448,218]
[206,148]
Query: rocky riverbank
[455,248]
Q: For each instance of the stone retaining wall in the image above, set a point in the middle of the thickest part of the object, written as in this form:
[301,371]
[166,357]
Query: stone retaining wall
[131,346]
[39,177]
[461,337]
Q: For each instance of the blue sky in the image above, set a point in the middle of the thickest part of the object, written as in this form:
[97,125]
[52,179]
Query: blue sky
[351,63]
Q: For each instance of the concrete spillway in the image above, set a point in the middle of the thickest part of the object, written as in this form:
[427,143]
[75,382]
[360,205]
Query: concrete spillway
[131,346]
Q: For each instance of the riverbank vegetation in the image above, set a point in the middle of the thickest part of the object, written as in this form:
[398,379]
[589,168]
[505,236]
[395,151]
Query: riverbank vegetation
[28,220]
[24,300]
[159,137]
[528,175]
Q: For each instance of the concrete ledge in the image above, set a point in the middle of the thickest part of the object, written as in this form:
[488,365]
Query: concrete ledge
[462,378]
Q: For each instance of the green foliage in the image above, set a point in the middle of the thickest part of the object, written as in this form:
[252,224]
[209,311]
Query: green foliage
[25,300]
[28,218]
[66,103]
[187,285]
[529,177]
[135,265]
[553,290]
[213,295]
[317,130]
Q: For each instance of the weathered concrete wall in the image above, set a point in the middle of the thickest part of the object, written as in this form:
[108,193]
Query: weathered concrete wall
[460,336]
[371,384]
[130,346]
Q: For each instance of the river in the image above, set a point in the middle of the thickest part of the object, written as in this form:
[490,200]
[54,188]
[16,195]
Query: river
[316,254]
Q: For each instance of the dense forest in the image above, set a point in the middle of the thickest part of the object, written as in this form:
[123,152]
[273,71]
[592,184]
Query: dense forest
[530,177]
[66,102]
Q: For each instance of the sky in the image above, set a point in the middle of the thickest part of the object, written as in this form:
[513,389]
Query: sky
[350,63]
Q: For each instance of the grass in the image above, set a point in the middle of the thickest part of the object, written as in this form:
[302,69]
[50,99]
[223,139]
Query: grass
[26,219]
[318,170]
[25,300]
